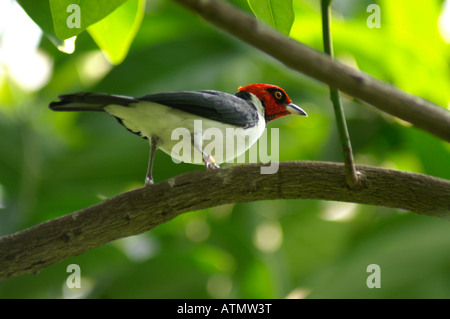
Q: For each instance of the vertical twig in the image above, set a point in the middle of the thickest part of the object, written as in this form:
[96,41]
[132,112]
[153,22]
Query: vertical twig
[352,176]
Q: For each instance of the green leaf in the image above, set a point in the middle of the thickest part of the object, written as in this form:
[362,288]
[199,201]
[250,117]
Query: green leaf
[115,33]
[279,14]
[71,17]
[39,12]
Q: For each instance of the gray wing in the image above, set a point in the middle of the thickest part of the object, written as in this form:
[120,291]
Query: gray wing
[232,109]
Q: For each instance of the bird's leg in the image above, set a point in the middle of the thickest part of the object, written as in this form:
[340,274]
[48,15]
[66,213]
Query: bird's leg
[153,147]
[209,161]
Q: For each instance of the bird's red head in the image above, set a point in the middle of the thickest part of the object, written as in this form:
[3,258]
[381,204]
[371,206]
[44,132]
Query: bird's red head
[274,99]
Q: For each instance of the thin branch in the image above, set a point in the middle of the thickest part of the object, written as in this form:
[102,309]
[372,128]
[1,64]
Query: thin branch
[417,111]
[140,210]
[352,176]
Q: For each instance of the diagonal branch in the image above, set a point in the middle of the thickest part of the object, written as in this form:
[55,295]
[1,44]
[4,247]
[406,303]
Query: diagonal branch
[140,210]
[417,111]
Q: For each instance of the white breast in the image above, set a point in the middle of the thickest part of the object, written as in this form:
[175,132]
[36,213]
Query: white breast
[222,141]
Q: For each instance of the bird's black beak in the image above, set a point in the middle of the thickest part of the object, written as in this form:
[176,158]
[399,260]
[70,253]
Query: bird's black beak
[295,109]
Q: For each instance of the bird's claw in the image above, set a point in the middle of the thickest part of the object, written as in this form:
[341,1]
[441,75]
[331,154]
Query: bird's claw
[149,181]
[210,163]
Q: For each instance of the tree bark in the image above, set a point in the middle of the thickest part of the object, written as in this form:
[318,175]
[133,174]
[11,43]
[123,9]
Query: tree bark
[140,210]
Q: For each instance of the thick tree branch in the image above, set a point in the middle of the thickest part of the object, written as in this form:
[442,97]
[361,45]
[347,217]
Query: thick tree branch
[140,210]
[417,111]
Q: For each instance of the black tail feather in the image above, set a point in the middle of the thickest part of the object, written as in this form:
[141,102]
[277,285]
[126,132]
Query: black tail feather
[89,102]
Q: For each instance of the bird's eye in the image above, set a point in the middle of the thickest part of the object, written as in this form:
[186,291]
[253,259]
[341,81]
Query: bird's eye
[278,95]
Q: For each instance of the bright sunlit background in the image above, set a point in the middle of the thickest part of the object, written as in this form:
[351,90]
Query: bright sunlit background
[53,164]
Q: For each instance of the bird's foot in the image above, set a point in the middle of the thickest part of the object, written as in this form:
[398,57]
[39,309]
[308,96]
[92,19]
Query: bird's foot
[210,162]
[149,181]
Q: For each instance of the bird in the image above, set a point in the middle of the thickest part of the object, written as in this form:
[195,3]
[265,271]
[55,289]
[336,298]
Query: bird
[158,117]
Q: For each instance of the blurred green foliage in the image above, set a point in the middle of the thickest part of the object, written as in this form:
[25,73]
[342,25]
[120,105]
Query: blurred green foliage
[53,164]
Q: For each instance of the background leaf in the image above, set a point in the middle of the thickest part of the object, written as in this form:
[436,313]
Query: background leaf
[115,33]
[91,12]
[279,14]
[39,12]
